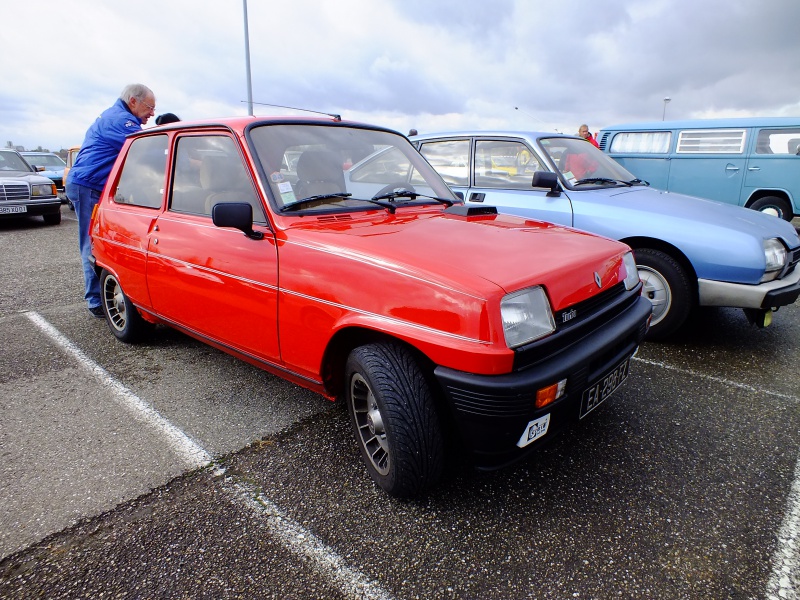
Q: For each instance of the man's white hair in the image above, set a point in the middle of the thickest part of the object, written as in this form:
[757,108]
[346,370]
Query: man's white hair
[135,90]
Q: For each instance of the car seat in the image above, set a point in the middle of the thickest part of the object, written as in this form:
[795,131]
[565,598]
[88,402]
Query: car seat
[319,172]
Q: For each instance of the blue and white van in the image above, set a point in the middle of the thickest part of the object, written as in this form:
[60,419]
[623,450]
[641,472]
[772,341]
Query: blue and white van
[752,162]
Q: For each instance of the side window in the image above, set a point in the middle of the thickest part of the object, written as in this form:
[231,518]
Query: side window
[641,142]
[450,159]
[711,141]
[778,141]
[209,170]
[142,179]
[504,165]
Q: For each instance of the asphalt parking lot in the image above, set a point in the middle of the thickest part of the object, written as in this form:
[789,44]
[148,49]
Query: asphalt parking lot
[171,470]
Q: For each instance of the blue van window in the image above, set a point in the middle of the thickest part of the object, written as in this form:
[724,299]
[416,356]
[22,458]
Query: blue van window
[711,141]
[642,142]
[778,141]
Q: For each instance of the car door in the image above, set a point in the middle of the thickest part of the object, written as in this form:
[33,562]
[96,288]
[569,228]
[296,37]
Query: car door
[774,164]
[497,171]
[215,281]
[709,163]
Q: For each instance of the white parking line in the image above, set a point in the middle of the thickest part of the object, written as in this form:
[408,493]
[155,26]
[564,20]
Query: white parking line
[784,581]
[297,539]
[183,445]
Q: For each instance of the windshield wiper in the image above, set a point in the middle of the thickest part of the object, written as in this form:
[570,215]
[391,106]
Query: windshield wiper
[298,203]
[602,180]
[638,181]
[413,196]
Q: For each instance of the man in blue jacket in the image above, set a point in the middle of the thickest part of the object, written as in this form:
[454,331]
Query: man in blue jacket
[85,181]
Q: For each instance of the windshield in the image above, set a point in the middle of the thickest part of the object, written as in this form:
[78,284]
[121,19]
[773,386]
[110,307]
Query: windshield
[11,161]
[581,164]
[333,167]
[45,160]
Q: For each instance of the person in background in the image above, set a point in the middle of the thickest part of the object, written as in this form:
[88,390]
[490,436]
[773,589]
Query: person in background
[167,118]
[85,181]
[583,131]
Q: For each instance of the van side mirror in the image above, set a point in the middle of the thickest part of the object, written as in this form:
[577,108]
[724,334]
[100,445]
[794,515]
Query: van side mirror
[546,179]
[238,215]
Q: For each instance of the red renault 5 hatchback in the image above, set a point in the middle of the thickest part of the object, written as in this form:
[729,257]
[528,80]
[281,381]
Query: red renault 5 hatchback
[333,255]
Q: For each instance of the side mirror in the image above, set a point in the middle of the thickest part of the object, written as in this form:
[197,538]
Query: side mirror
[546,179]
[238,215]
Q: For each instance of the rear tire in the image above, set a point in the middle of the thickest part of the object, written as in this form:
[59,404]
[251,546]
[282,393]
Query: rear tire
[772,205]
[394,419]
[667,286]
[122,316]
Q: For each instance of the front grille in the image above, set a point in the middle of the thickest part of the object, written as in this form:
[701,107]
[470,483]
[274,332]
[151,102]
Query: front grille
[14,192]
[590,315]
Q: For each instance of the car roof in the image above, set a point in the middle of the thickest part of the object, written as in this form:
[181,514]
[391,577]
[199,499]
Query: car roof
[492,132]
[710,123]
[240,123]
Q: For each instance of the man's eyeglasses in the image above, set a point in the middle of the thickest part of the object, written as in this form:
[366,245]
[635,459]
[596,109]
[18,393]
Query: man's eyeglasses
[153,108]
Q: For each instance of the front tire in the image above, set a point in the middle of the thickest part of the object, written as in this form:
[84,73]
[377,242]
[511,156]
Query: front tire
[772,205]
[394,419]
[667,286]
[122,316]
[52,218]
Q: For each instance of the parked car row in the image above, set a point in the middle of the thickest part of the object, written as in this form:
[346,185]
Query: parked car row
[689,251]
[23,191]
[470,292]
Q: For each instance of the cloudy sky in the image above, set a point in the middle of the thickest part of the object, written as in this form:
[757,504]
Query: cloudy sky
[435,65]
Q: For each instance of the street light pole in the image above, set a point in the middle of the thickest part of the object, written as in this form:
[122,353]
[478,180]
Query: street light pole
[247,62]
[664,112]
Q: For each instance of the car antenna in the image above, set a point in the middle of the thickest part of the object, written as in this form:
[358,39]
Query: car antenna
[335,117]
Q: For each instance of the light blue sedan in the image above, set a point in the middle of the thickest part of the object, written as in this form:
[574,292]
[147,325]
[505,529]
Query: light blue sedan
[49,164]
[689,251]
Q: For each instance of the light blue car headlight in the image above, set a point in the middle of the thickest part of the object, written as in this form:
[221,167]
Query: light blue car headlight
[526,316]
[775,256]
[631,272]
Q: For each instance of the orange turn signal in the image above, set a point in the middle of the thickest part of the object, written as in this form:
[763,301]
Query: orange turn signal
[550,394]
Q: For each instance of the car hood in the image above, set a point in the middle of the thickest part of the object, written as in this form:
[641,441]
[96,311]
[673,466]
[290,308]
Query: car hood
[662,211]
[26,176]
[475,255]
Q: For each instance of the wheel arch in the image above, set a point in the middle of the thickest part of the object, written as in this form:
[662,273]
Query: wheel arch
[345,340]
[638,243]
[764,193]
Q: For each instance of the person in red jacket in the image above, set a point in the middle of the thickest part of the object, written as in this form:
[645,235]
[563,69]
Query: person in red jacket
[583,131]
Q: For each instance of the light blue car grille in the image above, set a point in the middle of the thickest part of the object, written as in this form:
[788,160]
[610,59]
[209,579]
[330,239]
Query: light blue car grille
[13,192]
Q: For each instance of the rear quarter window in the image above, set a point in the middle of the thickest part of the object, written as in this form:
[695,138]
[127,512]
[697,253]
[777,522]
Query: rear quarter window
[142,180]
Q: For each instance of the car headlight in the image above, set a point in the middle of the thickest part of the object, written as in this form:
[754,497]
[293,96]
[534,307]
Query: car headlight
[631,272]
[43,189]
[526,316]
[775,257]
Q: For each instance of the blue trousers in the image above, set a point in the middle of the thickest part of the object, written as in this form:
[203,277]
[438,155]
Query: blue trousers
[83,199]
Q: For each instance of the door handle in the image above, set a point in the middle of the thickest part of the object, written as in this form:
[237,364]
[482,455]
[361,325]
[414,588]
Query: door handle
[753,168]
[731,168]
[477,197]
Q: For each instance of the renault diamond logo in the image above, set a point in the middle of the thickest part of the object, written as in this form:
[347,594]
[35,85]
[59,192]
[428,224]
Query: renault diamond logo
[597,280]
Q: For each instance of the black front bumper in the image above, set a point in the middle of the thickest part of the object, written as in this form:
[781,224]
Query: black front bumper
[492,412]
[34,209]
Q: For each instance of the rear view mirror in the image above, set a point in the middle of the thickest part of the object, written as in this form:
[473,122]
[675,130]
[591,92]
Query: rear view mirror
[238,215]
[546,179]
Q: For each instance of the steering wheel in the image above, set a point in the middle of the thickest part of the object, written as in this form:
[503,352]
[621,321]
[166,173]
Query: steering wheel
[394,187]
